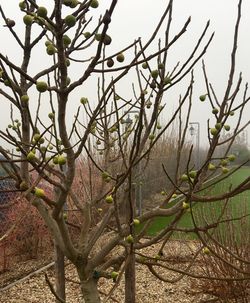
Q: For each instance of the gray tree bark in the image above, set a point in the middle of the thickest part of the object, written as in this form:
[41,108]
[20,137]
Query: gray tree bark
[59,273]
[130,278]
[89,291]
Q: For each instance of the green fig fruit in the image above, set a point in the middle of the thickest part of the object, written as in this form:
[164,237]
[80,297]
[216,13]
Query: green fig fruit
[39,192]
[130,239]
[7,82]
[120,57]
[25,98]
[47,43]
[31,156]
[41,86]
[61,160]
[84,100]
[94,4]
[70,20]
[192,174]
[231,157]
[67,62]
[105,175]
[87,35]
[37,137]
[51,116]
[66,40]
[218,126]
[98,37]
[206,250]
[224,162]
[213,131]
[55,160]
[185,205]
[42,12]
[211,166]
[110,62]
[28,20]
[203,98]
[10,23]
[153,84]
[224,170]
[22,5]
[161,66]
[109,199]
[67,2]
[73,3]
[184,178]
[114,274]
[107,40]
[167,80]
[154,73]
[51,50]
[136,221]
[151,137]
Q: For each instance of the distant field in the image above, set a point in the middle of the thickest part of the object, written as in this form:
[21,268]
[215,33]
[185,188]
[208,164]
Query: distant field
[209,211]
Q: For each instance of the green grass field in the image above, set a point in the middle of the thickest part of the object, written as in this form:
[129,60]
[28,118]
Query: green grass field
[210,211]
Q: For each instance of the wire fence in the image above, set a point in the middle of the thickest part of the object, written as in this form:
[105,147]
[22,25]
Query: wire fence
[5,194]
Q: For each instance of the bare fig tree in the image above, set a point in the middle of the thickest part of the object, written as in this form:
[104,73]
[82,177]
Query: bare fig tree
[92,159]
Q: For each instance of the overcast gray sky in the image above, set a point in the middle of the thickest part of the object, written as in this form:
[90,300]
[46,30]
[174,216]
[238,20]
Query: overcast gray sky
[138,18]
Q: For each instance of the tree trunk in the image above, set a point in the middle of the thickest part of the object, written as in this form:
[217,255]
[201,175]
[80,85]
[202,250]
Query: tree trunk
[89,291]
[60,273]
[130,278]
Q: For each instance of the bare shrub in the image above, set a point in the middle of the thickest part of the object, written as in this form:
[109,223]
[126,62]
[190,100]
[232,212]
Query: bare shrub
[28,236]
[165,152]
[228,258]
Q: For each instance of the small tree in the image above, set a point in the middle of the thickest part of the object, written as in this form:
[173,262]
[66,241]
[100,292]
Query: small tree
[115,146]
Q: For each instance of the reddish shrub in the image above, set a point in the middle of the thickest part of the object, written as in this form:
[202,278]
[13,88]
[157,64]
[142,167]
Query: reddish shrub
[27,234]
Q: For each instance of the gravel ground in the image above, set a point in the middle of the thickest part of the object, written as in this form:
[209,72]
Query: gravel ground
[148,288]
